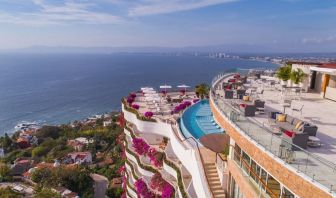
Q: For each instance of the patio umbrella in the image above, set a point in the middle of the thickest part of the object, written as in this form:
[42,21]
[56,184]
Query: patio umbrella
[165,87]
[183,86]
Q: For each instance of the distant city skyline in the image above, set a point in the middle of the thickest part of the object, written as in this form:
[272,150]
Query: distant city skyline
[236,25]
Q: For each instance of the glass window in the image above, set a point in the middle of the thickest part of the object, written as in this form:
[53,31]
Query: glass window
[254,172]
[273,185]
[246,163]
[237,152]
[263,177]
[286,193]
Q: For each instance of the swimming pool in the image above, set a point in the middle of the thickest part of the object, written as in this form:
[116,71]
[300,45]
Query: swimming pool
[197,121]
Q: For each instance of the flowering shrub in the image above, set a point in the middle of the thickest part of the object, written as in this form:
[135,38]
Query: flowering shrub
[167,191]
[140,146]
[142,189]
[135,106]
[132,95]
[179,108]
[195,100]
[149,114]
[121,170]
[158,183]
[130,100]
[187,103]
[155,157]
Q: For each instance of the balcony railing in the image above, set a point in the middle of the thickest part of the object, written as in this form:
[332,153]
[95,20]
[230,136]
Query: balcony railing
[316,168]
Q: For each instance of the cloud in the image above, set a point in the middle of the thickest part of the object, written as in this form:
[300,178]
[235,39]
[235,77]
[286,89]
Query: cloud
[329,39]
[152,7]
[61,14]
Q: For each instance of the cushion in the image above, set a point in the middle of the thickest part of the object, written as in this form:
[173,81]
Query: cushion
[289,133]
[243,105]
[246,98]
[289,119]
[295,121]
[298,125]
[281,118]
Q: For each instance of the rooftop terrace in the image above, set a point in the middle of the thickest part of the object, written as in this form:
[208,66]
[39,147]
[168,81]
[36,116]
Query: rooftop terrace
[316,163]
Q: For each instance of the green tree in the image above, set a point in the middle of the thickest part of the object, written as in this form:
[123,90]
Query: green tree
[202,90]
[284,72]
[6,142]
[297,76]
[114,192]
[4,172]
[8,193]
[46,192]
[49,132]
[39,151]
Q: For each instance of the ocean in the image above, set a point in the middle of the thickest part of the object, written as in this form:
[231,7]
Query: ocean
[60,88]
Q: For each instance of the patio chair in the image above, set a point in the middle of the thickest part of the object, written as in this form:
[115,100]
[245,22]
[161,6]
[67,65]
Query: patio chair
[297,109]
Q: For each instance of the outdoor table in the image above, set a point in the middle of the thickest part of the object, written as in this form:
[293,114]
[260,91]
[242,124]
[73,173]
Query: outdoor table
[314,141]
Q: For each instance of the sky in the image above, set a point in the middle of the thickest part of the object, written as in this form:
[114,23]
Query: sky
[269,25]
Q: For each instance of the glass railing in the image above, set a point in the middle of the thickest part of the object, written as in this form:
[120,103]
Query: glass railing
[317,168]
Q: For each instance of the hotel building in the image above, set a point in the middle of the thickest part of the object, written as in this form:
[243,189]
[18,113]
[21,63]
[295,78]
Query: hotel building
[213,148]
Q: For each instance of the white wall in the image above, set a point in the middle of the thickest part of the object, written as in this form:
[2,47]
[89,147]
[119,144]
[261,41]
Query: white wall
[186,154]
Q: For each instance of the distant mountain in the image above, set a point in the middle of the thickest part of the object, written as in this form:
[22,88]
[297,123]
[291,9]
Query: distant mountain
[228,48]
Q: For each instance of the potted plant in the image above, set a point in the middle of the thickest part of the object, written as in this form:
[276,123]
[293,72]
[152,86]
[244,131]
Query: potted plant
[297,76]
[284,73]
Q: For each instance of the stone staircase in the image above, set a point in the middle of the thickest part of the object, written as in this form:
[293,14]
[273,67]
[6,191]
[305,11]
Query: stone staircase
[213,179]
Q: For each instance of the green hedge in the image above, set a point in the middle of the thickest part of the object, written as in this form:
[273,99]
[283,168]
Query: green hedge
[128,184]
[132,169]
[138,115]
[168,162]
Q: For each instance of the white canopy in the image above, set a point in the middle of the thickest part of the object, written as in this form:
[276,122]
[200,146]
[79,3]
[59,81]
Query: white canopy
[183,86]
[147,89]
[165,87]
[324,70]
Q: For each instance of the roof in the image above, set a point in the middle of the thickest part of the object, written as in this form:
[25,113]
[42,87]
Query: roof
[98,178]
[329,65]
[304,63]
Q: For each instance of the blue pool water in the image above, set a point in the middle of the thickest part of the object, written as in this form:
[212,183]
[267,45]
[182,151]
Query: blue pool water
[197,121]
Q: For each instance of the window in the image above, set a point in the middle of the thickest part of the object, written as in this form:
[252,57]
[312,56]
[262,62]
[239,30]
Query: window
[236,155]
[273,185]
[286,193]
[246,163]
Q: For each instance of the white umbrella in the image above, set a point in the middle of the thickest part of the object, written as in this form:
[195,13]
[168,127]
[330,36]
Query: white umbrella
[146,88]
[165,87]
[183,86]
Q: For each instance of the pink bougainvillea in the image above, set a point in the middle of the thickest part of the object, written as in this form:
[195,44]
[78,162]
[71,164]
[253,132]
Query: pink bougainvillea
[130,100]
[155,157]
[140,146]
[149,114]
[132,95]
[167,191]
[142,189]
[187,103]
[159,184]
[121,170]
[135,106]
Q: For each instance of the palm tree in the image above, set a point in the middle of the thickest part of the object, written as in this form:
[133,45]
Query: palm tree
[297,76]
[284,72]
[202,90]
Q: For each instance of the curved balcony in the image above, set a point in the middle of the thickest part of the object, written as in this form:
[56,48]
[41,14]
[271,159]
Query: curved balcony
[311,174]
[169,167]
[183,149]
